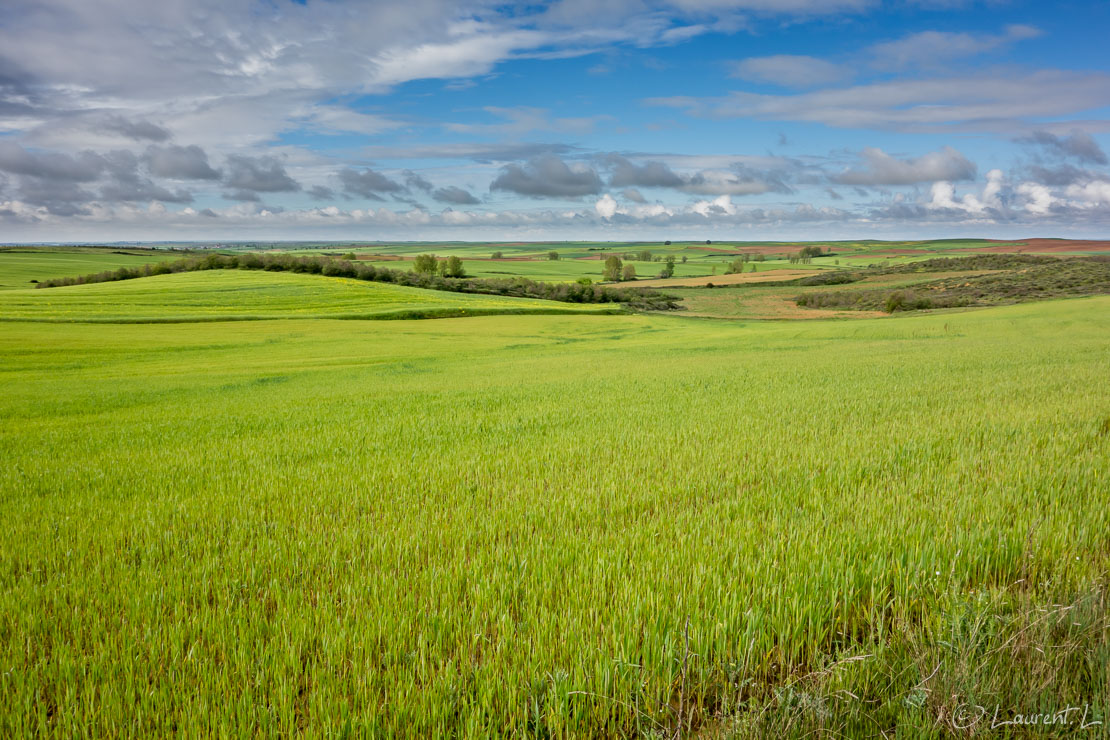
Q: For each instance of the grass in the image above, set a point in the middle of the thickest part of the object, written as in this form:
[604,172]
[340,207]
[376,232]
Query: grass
[221,295]
[20,266]
[503,525]
[569,269]
[1026,279]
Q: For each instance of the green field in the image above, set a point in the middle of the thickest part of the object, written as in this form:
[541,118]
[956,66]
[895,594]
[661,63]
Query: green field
[216,295]
[19,267]
[555,526]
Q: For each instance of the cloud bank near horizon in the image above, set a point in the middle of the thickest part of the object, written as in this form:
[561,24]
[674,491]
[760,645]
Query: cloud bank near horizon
[432,118]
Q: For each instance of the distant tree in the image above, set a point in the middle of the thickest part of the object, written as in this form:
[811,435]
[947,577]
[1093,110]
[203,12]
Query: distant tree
[684,259]
[668,267]
[629,272]
[425,264]
[760,258]
[553,255]
[707,241]
[644,256]
[496,256]
[668,242]
[350,256]
[736,266]
[612,269]
[584,281]
[452,267]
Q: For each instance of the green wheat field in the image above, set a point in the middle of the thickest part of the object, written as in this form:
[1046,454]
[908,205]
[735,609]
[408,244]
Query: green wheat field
[552,521]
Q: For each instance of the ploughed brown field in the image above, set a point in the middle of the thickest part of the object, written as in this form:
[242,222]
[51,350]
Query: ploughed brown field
[1042,246]
[770,276]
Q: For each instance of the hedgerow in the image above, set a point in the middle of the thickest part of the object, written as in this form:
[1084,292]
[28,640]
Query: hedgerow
[520,287]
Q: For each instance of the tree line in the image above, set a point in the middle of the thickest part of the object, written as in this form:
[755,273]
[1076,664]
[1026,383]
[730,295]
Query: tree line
[519,287]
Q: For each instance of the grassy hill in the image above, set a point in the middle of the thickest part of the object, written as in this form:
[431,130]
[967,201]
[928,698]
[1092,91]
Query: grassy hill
[22,265]
[218,295]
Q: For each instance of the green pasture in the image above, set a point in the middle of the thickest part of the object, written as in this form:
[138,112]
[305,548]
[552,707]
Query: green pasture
[20,266]
[215,295]
[547,526]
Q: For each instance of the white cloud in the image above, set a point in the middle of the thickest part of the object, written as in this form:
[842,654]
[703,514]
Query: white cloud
[879,168]
[788,70]
[606,206]
[938,48]
[979,103]
[1039,199]
[1091,194]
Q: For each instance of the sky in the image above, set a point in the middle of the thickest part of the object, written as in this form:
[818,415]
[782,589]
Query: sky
[128,120]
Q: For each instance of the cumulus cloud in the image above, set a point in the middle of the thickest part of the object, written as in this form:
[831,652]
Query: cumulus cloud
[367,183]
[417,181]
[1077,145]
[789,70]
[62,183]
[606,206]
[179,163]
[321,192]
[648,175]
[475,152]
[738,180]
[880,168]
[548,177]
[1039,200]
[264,174]
[634,195]
[135,129]
[943,196]
[455,195]
[81,167]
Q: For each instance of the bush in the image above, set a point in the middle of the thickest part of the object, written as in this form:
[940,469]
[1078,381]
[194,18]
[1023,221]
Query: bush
[830,278]
[425,264]
[735,267]
[553,256]
[612,269]
[452,267]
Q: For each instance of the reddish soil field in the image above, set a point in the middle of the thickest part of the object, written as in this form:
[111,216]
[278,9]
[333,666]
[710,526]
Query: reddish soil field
[745,277]
[765,249]
[1047,246]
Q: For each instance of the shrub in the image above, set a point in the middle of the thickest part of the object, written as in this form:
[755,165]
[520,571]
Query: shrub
[452,267]
[612,269]
[425,264]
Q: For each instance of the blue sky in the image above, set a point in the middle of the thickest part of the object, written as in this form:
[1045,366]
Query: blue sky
[646,119]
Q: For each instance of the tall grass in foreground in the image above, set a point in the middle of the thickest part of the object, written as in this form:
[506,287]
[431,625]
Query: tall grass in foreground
[555,526]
